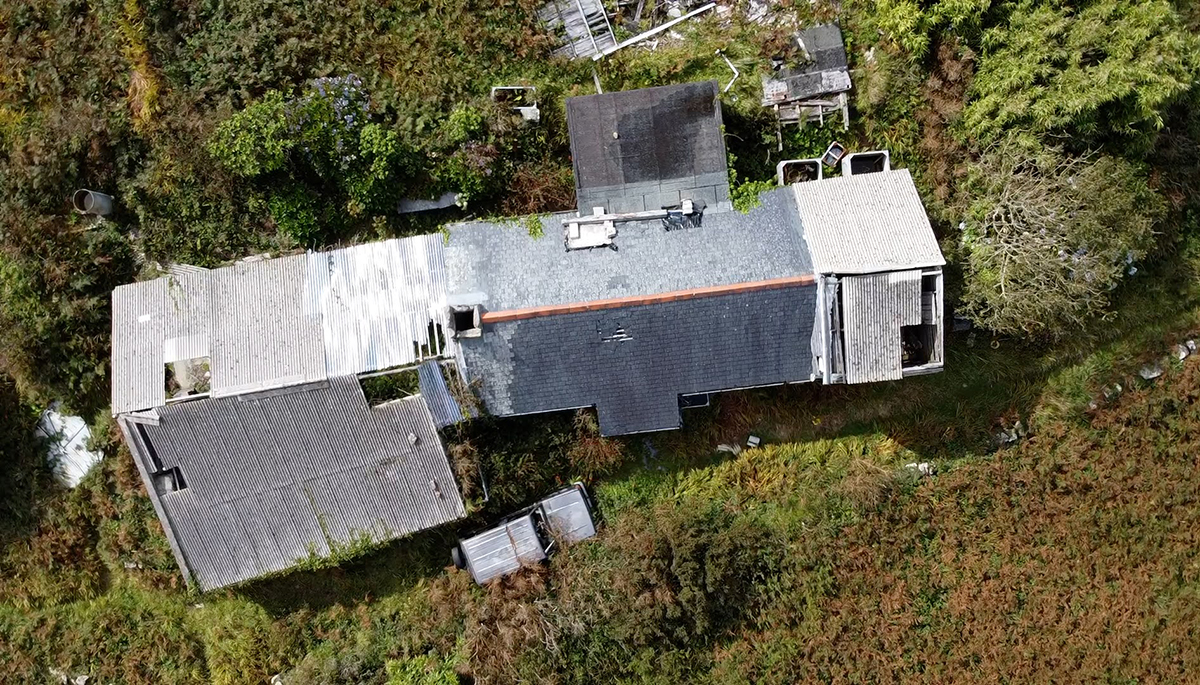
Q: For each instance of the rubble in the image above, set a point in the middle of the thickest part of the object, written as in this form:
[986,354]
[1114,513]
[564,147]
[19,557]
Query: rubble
[1008,436]
[923,468]
[1151,371]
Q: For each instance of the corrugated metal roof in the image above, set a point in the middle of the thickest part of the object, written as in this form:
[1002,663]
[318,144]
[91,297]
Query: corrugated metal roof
[260,335]
[874,309]
[138,332]
[442,405]
[866,224]
[282,322]
[273,475]
[376,300]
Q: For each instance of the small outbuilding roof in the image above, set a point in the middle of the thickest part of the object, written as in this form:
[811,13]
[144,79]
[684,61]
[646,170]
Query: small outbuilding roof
[638,150]
[866,224]
[823,70]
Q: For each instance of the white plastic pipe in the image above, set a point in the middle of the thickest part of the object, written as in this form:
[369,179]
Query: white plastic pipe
[656,30]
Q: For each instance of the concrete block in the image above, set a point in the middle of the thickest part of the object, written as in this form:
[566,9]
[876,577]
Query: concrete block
[662,199]
[627,205]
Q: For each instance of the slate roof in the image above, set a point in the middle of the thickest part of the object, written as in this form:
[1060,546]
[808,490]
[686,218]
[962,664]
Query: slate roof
[274,476]
[633,362]
[645,149]
[683,323]
[866,224]
[501,267]
[825,73]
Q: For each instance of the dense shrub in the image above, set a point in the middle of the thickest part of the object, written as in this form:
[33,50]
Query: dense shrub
[1097,71]
[913,24]
[56,276]
[257,139]
[24,478]
[334,158]
[1049,236]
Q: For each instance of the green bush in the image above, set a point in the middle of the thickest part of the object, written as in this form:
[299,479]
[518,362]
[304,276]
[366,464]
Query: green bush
[915,24]
[56,279]
[295,213]
[1048,236]
[256,140]
[336,160]
[465,123]
[422,670]
[1095,71]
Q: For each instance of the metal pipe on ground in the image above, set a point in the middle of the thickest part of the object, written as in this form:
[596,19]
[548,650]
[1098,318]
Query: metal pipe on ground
[92,203]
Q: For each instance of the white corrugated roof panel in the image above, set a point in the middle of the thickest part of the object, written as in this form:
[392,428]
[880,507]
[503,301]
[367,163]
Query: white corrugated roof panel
[138,331]
[866,224]
[874,309]
[376,303]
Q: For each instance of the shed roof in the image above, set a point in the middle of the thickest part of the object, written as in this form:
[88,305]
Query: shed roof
[825,72]
[639,149]
[273,477]
[281,322]
[866,224]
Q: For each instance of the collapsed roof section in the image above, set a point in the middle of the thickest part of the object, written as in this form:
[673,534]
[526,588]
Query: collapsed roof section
[821,68]
[253,484]
[650,148]
[580,25]
[280,322]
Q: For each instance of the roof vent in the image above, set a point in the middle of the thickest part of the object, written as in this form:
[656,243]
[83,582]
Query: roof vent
[688,214]
[413,439]
[858,163]
[582,235]
[791,171]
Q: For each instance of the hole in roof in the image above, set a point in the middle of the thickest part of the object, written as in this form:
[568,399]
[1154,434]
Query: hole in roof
[390,386]
[187,378]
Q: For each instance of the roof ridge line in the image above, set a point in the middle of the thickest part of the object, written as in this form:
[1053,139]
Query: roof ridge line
[670,296]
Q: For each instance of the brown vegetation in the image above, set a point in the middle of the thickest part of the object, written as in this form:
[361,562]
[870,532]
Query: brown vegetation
[1072,558]
[944,94]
